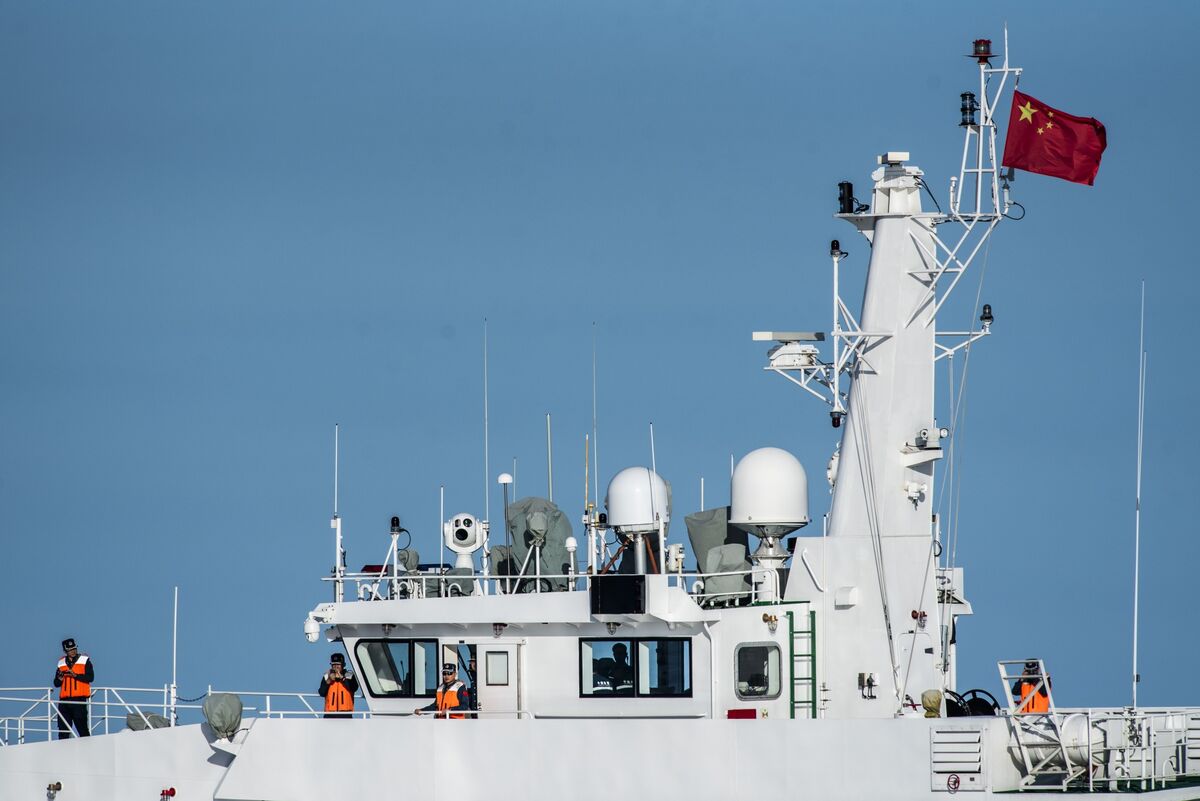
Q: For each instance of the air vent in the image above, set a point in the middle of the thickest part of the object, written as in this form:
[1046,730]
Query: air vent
[956,760]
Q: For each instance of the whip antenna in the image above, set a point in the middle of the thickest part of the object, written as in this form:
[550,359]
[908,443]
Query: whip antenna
[549,463]
[1137,508]
[595,435]
[487,509]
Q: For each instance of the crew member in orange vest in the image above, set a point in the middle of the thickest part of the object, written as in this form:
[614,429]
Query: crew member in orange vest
[73,678]
[1034,698]
[338,687]
[453,697]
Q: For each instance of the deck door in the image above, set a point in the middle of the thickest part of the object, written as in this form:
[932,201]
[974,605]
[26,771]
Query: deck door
[499,678]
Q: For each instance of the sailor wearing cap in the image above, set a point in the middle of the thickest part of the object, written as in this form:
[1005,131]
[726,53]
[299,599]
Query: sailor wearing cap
[73,678]
[452,696]
[1032,689]
[338,687]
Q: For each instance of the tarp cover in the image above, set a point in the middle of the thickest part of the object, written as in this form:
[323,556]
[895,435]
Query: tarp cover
[223,711]
[408,559]
[535,521]
[135,721]
[720,547]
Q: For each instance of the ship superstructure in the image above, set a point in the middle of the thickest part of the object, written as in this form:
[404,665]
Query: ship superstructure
[775,657]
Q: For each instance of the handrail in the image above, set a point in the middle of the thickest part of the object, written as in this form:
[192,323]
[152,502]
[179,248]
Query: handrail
[38,712]
[808,567]
[1138,749]
[414,584]
[20,726]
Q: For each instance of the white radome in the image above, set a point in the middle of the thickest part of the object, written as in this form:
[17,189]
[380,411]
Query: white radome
[770,489]
[635,496]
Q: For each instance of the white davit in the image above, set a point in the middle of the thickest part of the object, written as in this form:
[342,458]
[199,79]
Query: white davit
[769,493]
[636,497]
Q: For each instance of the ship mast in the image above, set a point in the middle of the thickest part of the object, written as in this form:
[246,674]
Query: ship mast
[882,537]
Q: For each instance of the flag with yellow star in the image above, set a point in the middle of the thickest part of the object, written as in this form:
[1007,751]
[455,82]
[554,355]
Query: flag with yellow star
[1045,140]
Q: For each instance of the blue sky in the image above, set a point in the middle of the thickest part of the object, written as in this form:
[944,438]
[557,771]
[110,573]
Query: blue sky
[226,226]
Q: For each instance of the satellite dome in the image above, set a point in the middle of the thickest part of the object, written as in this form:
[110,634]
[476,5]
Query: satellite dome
[635,496]
[770,493]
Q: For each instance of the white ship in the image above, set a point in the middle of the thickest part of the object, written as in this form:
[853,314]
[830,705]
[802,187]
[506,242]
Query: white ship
[780,656]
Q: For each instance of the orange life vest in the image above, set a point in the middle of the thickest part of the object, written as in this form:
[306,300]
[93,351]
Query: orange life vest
[447,698]
[1033,701]
[338,698]
[73,687]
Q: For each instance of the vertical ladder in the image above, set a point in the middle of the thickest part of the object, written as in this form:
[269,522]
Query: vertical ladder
[802,653]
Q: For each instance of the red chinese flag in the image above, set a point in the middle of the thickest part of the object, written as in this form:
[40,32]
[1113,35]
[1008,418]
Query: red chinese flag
[1051,142]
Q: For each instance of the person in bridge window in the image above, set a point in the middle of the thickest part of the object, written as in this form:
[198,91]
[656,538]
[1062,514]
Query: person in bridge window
[73,678]
[453,698]
[1033,698]
[622,673]
[338,687]
[472,673]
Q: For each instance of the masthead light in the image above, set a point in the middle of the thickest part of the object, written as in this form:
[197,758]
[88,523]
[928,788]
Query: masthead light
[981,50]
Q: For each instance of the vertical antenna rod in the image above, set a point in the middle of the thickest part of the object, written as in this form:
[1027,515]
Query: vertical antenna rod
[442,539]
[595,436]
[174,655]
[549,463]
[657,512]
[339,566]
[1137,508]
[487,509]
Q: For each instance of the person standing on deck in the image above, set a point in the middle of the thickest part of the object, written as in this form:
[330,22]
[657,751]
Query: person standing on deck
[338,687]
[1032,690]
[73,678]
[453,697]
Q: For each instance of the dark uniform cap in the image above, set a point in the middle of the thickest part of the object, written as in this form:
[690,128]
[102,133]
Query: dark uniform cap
[68,644]
[449,668]
[337,659]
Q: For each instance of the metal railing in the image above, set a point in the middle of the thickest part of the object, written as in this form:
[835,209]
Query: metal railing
[1107,749]
[386,586]
[31,713]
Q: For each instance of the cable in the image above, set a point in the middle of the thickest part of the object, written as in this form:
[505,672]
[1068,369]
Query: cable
[929,192]
[958,425]
[1008,216]
[866,468]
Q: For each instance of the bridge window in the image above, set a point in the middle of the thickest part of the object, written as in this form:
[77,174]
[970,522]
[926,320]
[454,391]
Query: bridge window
[398,668]
[635,667]
[757,671]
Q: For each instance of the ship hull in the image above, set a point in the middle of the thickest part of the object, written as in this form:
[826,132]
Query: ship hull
[305,759]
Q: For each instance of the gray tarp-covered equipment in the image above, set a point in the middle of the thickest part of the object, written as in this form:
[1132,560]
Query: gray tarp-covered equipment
[223,711]
[135,721]
[720,548]
[533,522]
